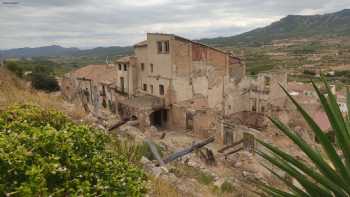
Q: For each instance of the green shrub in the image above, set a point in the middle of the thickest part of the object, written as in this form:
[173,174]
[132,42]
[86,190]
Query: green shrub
[227,187]
[15,68]
[128,149]
[43,81]
[189,171]
[43,153]
[204,178]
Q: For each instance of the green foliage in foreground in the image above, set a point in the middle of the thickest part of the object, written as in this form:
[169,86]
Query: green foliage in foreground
[42,153]
[322,176]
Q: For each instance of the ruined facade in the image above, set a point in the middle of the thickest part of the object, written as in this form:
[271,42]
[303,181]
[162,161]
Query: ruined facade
[94,86]
[173,82]
[180,83]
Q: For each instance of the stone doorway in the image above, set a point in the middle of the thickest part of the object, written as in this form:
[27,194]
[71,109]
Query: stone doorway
[228,135]
[159,118]
[189,121]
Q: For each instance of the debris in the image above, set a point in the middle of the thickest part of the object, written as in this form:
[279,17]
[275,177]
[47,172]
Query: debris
[133,123]
[155,152]
[144,160]
[193,164]
[153,129]
[188,150]
[230,146]
[156,171]
[233,152]
[163,135]
[219,182]
[207,156]
[119,124]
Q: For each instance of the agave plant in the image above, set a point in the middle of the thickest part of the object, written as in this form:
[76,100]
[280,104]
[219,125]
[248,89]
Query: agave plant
[321,176]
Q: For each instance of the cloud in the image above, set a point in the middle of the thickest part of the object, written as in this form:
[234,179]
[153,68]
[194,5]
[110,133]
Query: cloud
[90,23]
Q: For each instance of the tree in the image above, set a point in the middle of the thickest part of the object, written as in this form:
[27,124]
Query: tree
[45,154]
[327,175]
[42,81]
[14,67]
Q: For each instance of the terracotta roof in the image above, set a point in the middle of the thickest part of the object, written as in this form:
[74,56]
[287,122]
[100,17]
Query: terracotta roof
[299,87]
[141,44]
[322,121]
[98,73]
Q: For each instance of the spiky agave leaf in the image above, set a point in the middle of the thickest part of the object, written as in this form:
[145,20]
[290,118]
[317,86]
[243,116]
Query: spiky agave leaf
[322,179]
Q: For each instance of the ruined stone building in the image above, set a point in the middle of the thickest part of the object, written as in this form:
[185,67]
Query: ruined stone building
[173,82]
[93,85]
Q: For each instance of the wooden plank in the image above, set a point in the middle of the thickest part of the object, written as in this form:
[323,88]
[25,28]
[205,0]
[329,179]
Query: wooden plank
[230,146]
[188,150]
[119,124]
[154,151]
[232,152]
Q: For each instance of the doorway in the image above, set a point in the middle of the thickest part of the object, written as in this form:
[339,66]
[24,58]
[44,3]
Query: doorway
[228,135]
[189,121]
[122,84]
[159,118]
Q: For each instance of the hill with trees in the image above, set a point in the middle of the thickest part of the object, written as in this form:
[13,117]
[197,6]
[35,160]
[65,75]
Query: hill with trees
[290,27]
[59,51]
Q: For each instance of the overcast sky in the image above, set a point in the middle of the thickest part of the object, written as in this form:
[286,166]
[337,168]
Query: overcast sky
[91,23]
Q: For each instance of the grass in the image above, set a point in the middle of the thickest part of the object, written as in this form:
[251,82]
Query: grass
[146,151]
[16,91]
[161,188]
[227,187]
[202,177]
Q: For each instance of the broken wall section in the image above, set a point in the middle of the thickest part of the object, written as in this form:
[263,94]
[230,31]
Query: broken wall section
[261,93]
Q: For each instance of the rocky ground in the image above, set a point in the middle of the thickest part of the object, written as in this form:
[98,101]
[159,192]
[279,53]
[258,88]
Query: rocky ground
[191,175]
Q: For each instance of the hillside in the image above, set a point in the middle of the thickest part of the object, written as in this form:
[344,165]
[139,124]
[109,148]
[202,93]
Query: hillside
[53,50]
[293,26]
[14,90]
[58,51]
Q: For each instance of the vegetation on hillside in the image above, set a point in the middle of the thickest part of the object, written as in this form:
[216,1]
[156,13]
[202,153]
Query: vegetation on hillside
[25,66]
[39,72]
[14,90]
[293,26]
[327,173]
[42,78]
[43,153]
[58,51]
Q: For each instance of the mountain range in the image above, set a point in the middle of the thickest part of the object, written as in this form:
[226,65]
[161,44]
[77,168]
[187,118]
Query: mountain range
[293,26]
[58,51]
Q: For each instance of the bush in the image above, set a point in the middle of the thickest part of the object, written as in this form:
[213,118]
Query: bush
[43,153]
[15,68]
[43,81]
[227,187]
[188,171]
